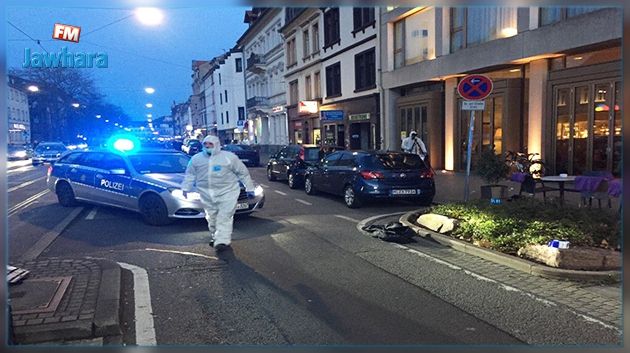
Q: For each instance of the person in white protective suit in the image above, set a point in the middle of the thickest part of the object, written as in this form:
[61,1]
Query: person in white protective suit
[216,175]
[413,144]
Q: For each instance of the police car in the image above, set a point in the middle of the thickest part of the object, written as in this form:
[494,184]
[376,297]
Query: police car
[145,181]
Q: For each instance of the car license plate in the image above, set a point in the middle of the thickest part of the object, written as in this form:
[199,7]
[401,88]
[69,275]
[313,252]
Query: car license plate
[404,192]
[242,206]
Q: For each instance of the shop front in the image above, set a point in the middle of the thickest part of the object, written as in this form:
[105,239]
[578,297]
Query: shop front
[304,123]
[585,106]
[423,113]
[352,124]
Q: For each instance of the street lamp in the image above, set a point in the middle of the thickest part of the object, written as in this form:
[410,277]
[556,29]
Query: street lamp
[33,88]
[76,105]
[149,116]
[149,16]
[107,120]
[149,105]
[149,90]
[98,116]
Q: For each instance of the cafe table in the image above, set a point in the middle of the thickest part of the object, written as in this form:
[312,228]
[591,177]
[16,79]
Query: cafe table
[560,180]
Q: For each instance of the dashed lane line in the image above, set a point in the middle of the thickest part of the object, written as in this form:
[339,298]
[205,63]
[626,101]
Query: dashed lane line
[280,192]
[183,253]
[44,242]
[91,215]
[25,184]
[264,185]
[347,218]
[304,202]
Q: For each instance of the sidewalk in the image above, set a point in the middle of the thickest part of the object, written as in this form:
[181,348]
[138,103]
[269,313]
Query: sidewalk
[65,300]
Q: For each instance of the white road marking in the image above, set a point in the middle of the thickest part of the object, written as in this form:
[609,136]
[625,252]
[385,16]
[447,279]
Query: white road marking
[25,184]
[21,169]
[145,329]
[91,215]
[44,242]
[281,193]
[304,202]
[183,253]
[347,218]
[264,186]
[26,202]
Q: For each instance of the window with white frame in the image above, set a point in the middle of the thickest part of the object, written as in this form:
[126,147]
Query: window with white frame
[291,52]
[414,38]
[293,92]
[472,26]
[306,44]
[318,84]
[315,31]
[308,88]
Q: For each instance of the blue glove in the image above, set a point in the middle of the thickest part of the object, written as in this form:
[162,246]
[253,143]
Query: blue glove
[251,195]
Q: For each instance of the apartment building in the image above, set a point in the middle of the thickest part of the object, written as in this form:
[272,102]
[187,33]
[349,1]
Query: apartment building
[265,92]
[18,115]
[350,107]
[556,74]
[302,45]
[225,96]
[199,118]
[182,120]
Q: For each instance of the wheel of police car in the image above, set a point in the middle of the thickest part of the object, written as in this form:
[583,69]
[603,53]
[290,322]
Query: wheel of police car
[270,175]
[308,186]
[65,195]
[291,181]
[153,210]
[350,197]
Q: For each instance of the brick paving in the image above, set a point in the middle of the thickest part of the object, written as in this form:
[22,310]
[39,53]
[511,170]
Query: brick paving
[75,315]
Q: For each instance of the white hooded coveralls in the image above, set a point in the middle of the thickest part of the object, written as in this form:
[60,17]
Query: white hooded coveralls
[216,178]
[414,145]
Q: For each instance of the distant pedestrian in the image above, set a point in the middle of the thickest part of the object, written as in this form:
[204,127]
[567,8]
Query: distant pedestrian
[413,144]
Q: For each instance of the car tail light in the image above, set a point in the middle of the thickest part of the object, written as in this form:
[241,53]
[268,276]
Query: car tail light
[50,170]
[427,173]
[366,174]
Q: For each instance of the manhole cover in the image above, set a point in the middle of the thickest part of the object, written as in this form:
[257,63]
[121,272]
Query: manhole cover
[38,295]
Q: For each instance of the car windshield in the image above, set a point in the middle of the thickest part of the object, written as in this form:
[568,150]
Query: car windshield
[393,161]
[50,147]
[145,163]
[313,154]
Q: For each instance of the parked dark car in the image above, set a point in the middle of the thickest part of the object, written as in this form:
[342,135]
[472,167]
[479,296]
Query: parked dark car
[192,147]
[360,176]
[48,152]
[247,154]
[15,152]
[291,162]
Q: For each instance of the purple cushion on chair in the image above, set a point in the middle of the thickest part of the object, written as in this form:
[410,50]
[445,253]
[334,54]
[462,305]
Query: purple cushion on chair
[614,188]
[518,177]
[587,183]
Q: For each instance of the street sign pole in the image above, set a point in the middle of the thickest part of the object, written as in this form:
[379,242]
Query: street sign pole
[469,154]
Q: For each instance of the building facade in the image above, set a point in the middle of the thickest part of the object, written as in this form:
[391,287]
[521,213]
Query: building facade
[555,93]
[225,96]
[302,47]
[182,120]
[350,107]
[263,53]
[200,69]
[18,114]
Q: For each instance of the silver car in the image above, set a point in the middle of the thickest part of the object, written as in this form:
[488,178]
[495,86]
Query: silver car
[48,152]
[147,182]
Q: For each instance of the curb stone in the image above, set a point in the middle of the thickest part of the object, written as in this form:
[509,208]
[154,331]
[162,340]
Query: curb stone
[508,260]
[108,309]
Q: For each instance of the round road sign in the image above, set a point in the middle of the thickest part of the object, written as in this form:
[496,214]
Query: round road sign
[474,87]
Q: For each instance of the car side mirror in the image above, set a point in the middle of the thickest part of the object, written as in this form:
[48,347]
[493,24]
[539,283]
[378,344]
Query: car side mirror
[119,171]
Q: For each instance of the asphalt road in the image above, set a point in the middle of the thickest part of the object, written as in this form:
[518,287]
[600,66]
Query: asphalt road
[300,273]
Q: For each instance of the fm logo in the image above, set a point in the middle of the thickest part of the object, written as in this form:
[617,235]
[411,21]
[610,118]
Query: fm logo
[66,32]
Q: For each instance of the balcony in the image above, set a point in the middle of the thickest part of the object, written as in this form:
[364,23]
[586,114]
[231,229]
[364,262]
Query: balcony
[257,103]
[256,64]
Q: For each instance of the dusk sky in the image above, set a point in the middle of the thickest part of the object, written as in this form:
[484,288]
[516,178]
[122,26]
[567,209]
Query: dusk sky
[139,56]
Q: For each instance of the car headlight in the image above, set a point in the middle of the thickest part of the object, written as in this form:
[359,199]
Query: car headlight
[190,196]
[258,191]
[20,154]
